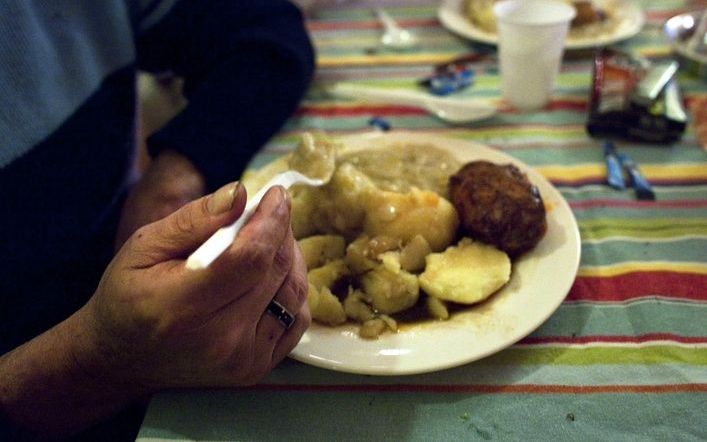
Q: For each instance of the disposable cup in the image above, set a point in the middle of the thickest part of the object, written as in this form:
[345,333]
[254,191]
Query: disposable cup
[531,40]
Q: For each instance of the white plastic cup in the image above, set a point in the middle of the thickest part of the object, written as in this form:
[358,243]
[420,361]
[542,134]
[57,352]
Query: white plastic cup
[531,41]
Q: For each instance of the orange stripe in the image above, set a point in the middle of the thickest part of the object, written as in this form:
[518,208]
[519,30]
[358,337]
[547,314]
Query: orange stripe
[485,388]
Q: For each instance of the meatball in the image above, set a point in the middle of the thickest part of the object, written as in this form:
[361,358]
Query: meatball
[498,205]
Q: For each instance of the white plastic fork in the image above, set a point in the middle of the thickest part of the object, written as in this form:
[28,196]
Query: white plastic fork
[213,247]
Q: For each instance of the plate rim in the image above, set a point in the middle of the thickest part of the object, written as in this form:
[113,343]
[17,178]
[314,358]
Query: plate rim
[448,15]
[572,232]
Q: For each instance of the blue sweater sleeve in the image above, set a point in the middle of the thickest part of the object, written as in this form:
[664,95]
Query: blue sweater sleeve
[246,65]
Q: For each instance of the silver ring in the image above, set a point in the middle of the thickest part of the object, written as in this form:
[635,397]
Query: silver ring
[281,314]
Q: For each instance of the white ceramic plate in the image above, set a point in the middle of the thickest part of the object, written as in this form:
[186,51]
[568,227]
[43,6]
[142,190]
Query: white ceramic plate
[629,15]
[539,282]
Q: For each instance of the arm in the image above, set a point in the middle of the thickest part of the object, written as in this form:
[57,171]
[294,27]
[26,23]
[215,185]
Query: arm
[246,66]
[45,393]
[153,324]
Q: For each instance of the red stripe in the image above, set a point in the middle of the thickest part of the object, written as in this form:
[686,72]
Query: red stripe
[368,109]
[682,204]
[532,340]
[659,17]
[690,286]
[485,388]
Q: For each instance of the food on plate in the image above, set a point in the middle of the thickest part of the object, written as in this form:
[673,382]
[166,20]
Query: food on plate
[372,328]
[389,289]
[337,207]
[592,18]
[422,166]
[480,14]
[315,156]
[383,238]
[324,306]
[587,13]
[437,308]
[447,276]
[317,250]
[497,204]
[328,275]
[409,214]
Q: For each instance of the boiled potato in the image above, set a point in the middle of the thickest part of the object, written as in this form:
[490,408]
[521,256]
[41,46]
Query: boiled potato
[356,308]
[364,253]
[391,261]
[413,254]
[389,291]
[374,327]
[466,273]
[324,306]
[328,274]
[406,215]
[358,258]
[436,308]
[317,250]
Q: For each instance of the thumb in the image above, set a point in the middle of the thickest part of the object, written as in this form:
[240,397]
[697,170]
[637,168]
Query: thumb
[183,231]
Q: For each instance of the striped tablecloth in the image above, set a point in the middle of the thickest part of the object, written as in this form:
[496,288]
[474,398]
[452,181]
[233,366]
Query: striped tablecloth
[625,355]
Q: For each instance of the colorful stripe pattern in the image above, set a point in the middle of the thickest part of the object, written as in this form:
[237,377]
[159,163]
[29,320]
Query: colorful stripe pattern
[625,355]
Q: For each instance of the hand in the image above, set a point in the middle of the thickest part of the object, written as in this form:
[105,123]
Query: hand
[153,323]
[169,182]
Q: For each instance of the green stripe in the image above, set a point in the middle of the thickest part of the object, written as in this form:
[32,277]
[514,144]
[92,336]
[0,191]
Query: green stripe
[402,416]
[590,151]
[563,355]
[639,318]
[663,193]
[653,215]
[614,252]
[641,228]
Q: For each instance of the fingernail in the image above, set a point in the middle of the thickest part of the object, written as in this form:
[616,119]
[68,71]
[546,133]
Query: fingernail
[288,198]
[222,200]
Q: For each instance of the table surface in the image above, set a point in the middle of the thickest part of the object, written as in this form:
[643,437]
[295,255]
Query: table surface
[625,355]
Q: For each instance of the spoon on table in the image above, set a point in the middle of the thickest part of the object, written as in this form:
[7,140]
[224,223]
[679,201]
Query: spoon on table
[394,37]
[455,111]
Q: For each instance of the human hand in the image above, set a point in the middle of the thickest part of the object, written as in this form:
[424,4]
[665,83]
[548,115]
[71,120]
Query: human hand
[169,182]
[153,323]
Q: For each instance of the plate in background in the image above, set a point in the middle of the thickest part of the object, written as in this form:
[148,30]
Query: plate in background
[630,20]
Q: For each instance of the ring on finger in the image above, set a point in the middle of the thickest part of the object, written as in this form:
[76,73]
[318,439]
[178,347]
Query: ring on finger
[283,316]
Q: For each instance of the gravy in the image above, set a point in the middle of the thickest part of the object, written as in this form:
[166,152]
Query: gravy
[400,167]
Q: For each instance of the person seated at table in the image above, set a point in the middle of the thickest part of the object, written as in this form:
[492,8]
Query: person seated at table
[87,332]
